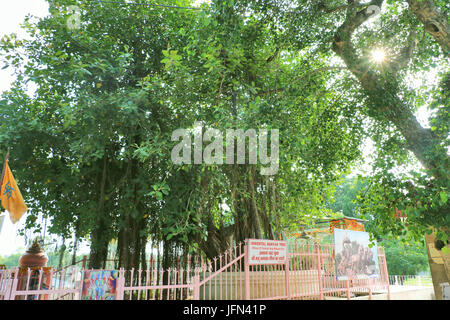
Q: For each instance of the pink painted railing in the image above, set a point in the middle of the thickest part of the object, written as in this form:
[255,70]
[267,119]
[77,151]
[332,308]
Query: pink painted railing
[190,283]
[5,285]
[40,284]
[307,273]
[223,278]
[155,284]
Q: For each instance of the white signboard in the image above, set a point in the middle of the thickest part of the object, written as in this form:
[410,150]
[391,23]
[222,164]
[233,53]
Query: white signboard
[267,251]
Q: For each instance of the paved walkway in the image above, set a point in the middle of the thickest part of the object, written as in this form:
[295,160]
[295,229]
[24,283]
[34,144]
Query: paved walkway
[398,288]
[397,293]
[410,292]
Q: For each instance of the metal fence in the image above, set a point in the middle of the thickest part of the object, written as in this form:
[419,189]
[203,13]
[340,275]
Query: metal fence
[411,280]
[40,284]
[307,273]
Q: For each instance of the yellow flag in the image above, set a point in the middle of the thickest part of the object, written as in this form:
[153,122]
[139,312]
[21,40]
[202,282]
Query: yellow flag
[10,195]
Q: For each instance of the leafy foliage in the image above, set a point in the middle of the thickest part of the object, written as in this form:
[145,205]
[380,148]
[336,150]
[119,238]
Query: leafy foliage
[405,259]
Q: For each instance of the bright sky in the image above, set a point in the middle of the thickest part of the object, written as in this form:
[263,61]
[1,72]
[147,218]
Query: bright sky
[12,15]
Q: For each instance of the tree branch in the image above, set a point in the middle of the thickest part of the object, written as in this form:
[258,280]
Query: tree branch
[342,44]
[435,21]
[323,7]
[385,104]
[406,53]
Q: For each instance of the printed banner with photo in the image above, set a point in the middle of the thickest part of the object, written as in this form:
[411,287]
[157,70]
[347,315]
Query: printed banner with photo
[99,285]
[354,258]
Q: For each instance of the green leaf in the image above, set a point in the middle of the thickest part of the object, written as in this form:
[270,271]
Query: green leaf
[444,196]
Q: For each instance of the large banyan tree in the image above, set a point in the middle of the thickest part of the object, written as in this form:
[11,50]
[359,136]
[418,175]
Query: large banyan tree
[91,142]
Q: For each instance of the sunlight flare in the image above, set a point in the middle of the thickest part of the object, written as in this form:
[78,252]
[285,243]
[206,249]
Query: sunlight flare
[378,55]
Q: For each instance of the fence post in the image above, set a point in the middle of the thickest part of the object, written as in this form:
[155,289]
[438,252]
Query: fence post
[196,284]
[80,294]
[347,287]
[319,271]
[9,284]
[286,269]
[120,285]
[246,272]
[14,282]
[386,275]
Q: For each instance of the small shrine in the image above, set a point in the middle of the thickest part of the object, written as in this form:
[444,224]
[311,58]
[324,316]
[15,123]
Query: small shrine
[33,273]
[34,257]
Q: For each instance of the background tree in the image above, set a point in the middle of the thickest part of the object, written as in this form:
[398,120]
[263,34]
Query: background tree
[91,116]
[345,196]
[405,259]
